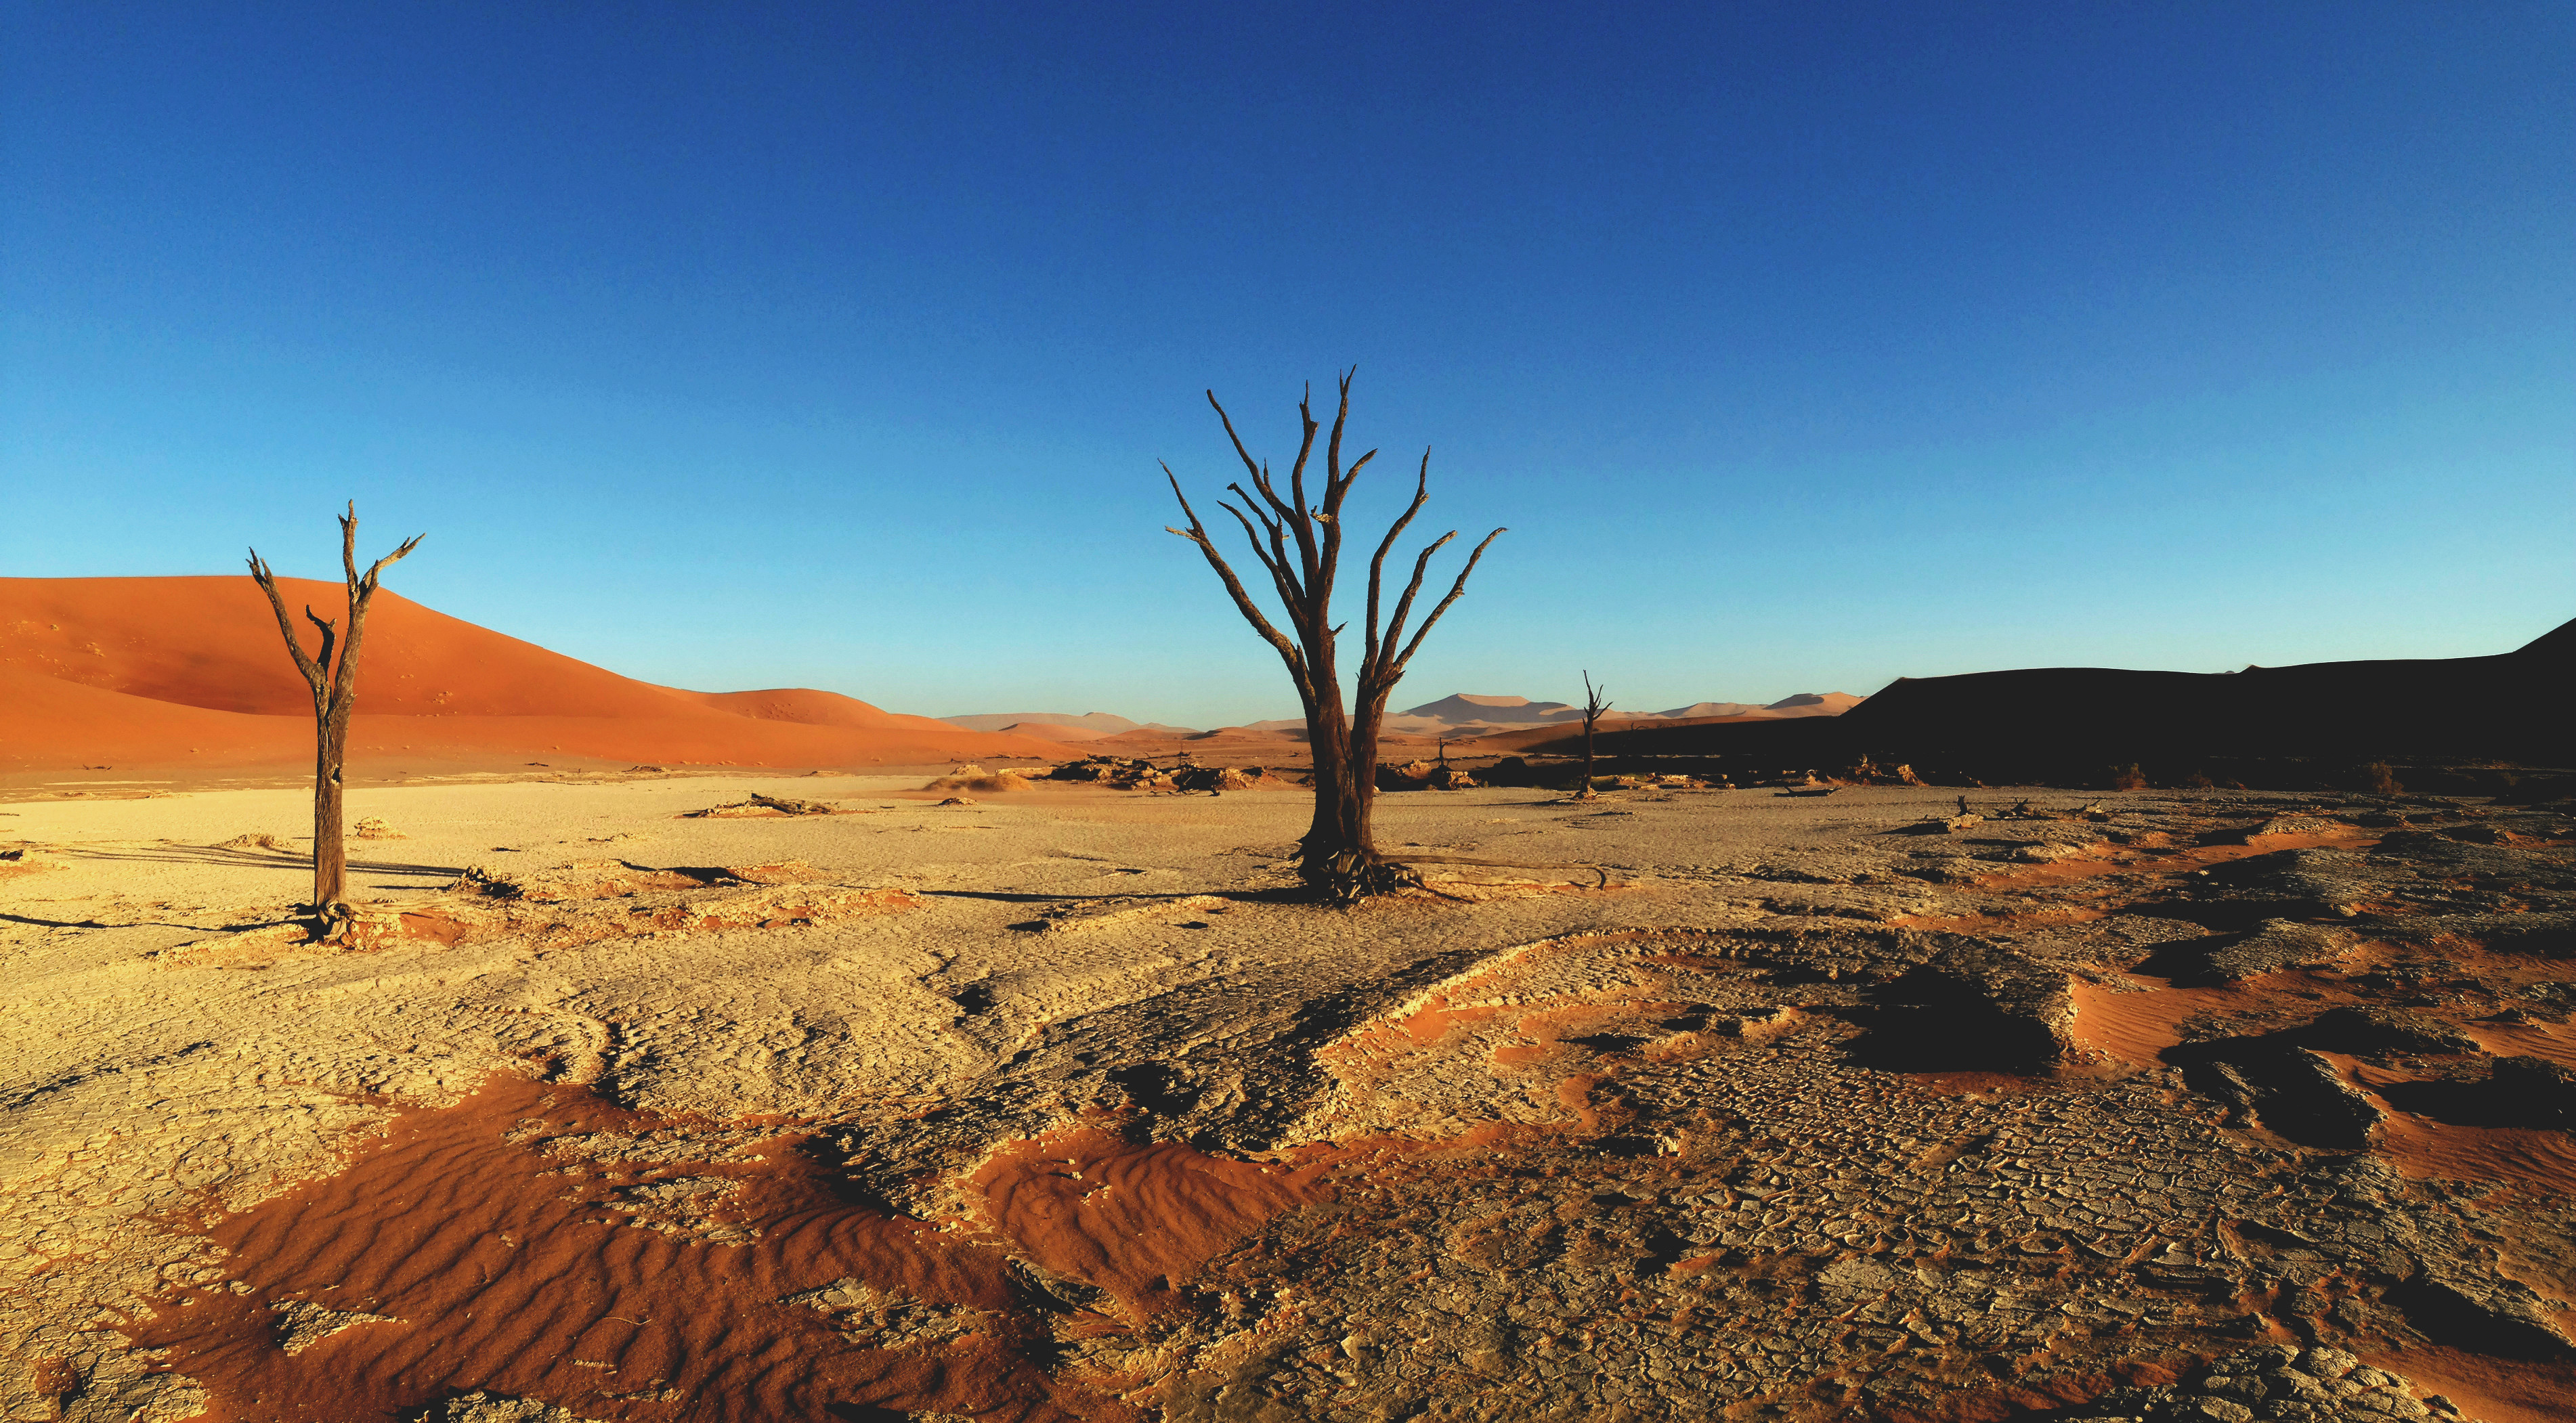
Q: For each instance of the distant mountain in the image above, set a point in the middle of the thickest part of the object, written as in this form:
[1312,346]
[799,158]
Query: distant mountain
[1059,726]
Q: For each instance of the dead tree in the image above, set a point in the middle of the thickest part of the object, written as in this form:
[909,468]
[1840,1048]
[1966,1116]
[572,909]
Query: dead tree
[335,685]
[1338,858]
[1593,707]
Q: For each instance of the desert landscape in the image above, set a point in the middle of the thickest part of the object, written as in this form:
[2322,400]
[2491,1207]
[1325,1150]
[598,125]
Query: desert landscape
[821,713]
[1039,1089]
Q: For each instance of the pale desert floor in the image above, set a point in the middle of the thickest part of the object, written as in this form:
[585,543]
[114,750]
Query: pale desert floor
[1054,1106]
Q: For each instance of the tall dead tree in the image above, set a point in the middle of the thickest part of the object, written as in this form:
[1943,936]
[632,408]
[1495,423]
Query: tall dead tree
[335,686]
[1338,858]
[1593,706]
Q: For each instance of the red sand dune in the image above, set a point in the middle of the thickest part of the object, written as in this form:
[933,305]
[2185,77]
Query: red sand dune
[189,672]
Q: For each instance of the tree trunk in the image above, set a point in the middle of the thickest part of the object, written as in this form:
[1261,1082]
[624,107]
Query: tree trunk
[1587,758]
[330,858]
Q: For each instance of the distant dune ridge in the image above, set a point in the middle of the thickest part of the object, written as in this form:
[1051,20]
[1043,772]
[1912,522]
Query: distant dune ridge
[1472,714]
[1061,726]
[2040,722]
[190,672]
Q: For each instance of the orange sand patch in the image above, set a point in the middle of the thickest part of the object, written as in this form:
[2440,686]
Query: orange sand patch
[2541,1160]
[2554,1041]
[2171,862]
[1133,1220]
[2138,1027]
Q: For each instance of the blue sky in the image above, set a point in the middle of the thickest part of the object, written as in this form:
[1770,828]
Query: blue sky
[1800,346]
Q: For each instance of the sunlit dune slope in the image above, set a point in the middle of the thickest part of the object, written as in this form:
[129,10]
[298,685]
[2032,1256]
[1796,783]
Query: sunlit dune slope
[190,671]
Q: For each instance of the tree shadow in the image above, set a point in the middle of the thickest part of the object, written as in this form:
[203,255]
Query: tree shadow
[246,859]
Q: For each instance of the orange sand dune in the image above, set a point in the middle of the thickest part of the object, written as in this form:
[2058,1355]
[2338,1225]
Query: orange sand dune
[188,672]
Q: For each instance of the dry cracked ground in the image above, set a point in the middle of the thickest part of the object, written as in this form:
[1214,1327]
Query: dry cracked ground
[2207,1105]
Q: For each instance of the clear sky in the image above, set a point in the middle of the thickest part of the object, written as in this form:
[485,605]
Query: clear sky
[1801,346]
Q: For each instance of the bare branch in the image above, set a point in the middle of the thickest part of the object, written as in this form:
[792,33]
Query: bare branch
[1454,590]
[1377,565]
[349,545]
[1404,605]
[1260,472]
[367,584]
[330,634]
[1282,579]
[267,580]
[1291,591]
[1197,533]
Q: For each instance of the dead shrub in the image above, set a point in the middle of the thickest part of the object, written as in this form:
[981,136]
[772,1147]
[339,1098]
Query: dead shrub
[257,840]
[2129,778]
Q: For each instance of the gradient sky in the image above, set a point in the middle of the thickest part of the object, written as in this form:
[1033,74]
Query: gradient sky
[1801,346]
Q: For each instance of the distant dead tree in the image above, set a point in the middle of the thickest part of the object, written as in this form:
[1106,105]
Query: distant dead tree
[335,686]
[1338,858]
[1593,706]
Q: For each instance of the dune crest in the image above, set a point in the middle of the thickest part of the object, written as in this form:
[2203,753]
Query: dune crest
[188,672]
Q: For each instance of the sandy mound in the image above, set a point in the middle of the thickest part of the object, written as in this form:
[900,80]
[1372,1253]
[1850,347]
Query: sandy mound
[188,672]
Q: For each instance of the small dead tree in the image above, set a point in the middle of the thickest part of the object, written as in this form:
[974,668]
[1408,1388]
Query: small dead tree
[335,685]
[1593,706]
[1338,858]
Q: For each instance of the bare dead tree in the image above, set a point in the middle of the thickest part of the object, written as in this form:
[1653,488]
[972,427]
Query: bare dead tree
[1594,704]
[335,686]
[1338,858]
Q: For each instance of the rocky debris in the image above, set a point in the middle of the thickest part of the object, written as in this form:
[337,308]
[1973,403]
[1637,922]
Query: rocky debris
[767,805]
[2290,1090]
[1217,779]
[24,857]
[2275,945]
[1421,775]
[2275,1382]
